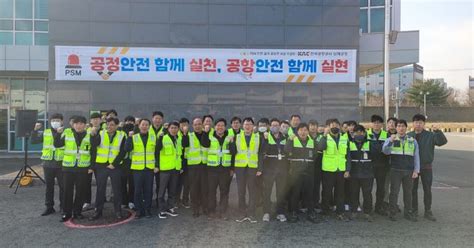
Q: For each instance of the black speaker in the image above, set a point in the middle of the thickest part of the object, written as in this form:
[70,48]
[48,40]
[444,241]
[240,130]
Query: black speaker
[25,122]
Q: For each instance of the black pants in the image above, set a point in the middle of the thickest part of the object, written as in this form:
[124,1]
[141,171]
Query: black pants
[426,181]
[347,191]
[301,181]
[246,180]
[333,181]
[380,177]
[366,185]
[318,176]
[218,177]
[102,174]
[157,187]
[168,184]
[404,178]
[197,175]
[50,174]
[143,180]
[127,184]
[274,173]
[88,190]
[75,187]
[183,189]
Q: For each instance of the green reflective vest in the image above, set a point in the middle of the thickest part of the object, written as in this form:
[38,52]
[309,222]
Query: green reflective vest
[356,155]
[170,154]
[50,152]
[334,157]
[247,156]
[382,136]
[76,156]
[195,153]
[107,151]
[143,156]
[402,154]
[217,154]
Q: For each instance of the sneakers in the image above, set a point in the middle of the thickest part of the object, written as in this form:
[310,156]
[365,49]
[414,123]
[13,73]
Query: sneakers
[409,216]
[242,219]
[162,215]
[171,212]
[131,205]
[342,217]
[86,206]
[293,218]
[429,215]
[281,218]
[185,205]
[252,219]
[346,207]
[266,217]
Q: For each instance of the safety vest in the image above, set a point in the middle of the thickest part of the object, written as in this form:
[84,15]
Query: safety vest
[195,153]
[290,131]
[170,154]
[143,156]
[402,154]
[302,153]
[382,136]
[362,156]
[107,151]
[334,157]
[76,156]
[273,150]
[247,156]
[49,151]
[151,131]
[231,132]
[217,154]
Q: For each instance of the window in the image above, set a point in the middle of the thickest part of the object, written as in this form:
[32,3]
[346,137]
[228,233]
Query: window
[364,21]
[24,25]
[377,2]
[41,9]
[24,38]
[6,25]
[6,38]
[6,11]
[377,22]
[364,3]
[24,9]
[41,26]
[41,39]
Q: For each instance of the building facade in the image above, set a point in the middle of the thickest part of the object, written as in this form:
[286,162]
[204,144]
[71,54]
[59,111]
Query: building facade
[27,59]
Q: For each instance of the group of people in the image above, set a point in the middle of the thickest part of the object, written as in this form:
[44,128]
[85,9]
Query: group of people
[316,170]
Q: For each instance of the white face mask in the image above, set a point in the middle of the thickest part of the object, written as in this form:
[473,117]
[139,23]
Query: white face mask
[55,124]
[262,129]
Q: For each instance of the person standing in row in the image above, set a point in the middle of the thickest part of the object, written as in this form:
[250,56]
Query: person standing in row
[110,147]
[275,171]
[405,166]
[52,158]
[219,168]
[76,166]
[427,141]
[142,148]
[248,148]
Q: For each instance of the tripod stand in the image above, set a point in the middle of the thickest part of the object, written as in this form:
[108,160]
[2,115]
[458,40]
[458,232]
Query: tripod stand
[25,169]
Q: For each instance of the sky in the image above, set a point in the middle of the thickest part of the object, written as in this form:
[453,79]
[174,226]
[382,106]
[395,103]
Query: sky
[446,37]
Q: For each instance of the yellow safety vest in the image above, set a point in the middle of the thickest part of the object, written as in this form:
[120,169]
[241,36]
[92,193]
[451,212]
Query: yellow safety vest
[170,154]
[74,155]
[247,156]
[50,152]
[143,156]
[195,153]
[217,154]
[334,157]
[107,151]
